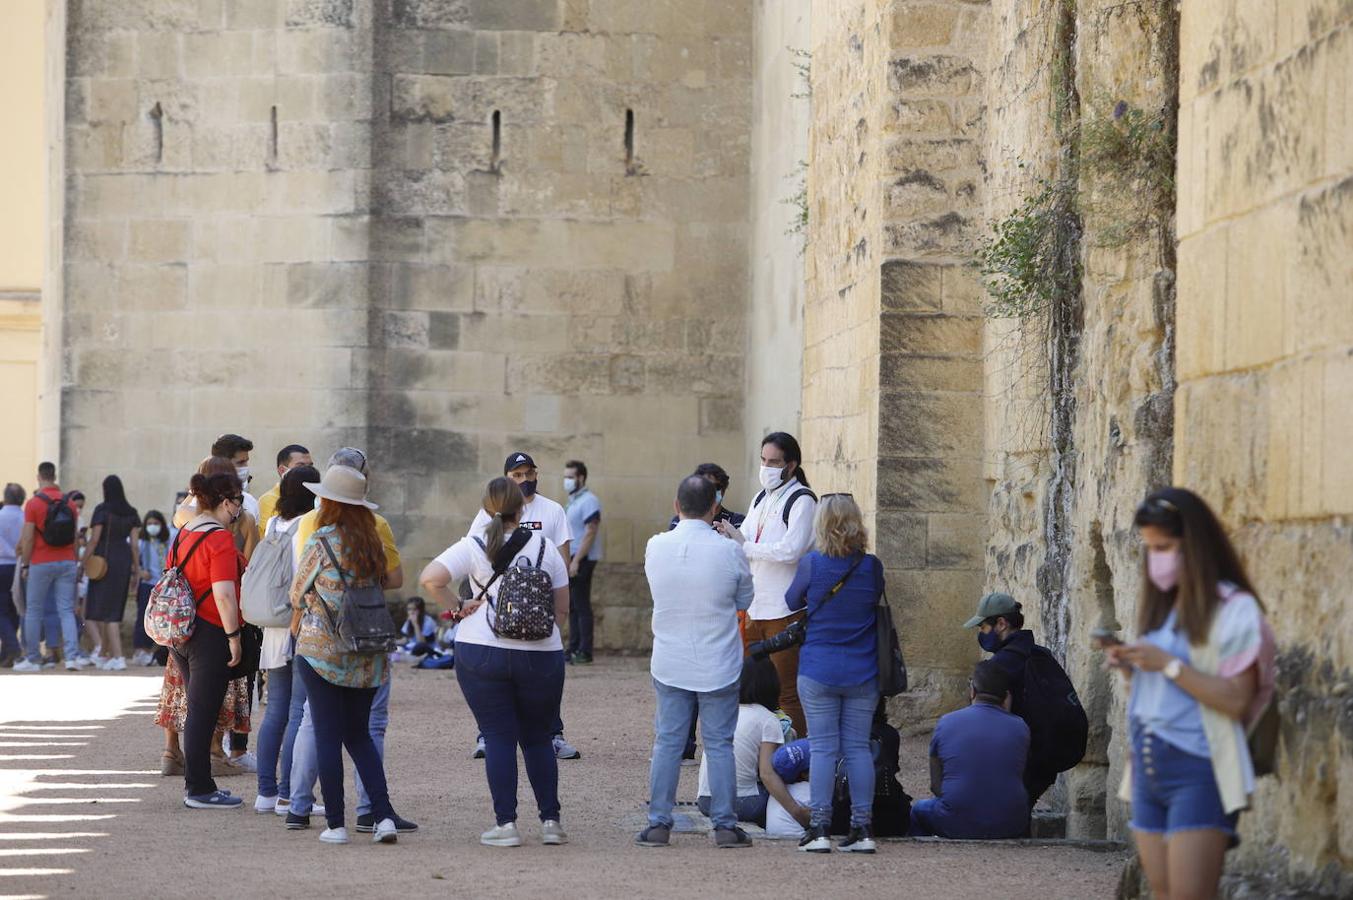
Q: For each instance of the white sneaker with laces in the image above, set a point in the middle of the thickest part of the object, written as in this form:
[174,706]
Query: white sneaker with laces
[283,806]
[80,662]
[334,835]
[501,836]
[385,832]
[73,665]
[114,664]
[264,805]
[26,665]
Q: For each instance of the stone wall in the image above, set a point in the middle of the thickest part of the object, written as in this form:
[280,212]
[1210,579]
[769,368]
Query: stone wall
[443,231]
[780,112]
[1266,381]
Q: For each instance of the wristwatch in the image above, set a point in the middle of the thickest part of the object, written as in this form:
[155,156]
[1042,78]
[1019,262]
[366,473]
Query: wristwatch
[1173,668]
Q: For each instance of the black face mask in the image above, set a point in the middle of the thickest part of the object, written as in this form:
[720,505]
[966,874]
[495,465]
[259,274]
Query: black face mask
[528,488]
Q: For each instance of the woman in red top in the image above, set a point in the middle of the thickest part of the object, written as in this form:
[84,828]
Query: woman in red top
[206,659]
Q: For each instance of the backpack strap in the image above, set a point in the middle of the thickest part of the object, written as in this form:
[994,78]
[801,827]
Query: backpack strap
[793,498]
[540,557]
[334,559]
[191,550]
[520,538]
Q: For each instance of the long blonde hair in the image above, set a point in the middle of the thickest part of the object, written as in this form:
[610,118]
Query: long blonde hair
[838,526]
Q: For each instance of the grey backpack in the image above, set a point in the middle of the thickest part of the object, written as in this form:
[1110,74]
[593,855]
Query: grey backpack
[265,591]
[524,607]
[364,624]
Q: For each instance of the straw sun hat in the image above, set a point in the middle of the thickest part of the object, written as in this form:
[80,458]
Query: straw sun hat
[342,484]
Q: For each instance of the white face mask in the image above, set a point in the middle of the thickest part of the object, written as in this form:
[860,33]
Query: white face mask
[243,472]
[570,484]
[153,529]
[771,478]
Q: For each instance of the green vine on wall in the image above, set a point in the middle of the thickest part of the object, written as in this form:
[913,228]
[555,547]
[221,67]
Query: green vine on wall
[1024,261]
[1130,154]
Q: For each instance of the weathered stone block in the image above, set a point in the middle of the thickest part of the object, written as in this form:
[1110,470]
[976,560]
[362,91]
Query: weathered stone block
[320,13]
[720,414]
[911,372]
[930,335]
[930,485]
[950,234]
[932,76]
[422,98]
[448,52]
[930,424]
[908,285]
[155,240]
[923,25]
[955,541]
[900,540]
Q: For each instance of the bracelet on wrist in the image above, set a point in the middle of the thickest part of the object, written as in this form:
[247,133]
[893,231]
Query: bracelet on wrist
[233,634]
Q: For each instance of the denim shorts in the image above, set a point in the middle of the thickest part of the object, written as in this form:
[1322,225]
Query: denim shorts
[1175,791]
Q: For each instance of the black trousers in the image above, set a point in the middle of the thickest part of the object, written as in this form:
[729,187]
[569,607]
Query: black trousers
[204,661]
[580,609]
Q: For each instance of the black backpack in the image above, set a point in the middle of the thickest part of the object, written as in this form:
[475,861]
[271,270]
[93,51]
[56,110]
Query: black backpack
[892,805]
[793,498]
[1058,726]
[58,529]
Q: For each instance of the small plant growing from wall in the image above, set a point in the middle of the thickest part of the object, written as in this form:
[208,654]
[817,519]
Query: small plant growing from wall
[1030,257]
[798,225]
[1129,154]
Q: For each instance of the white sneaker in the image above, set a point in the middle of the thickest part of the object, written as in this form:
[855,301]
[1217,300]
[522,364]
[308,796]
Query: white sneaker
[247,761]
[283,806]
[26,665]
[552,833]
[140,658]
[385,832]
[80,662]
[501,836]
[334,835]
[264,805]
[73,665]
[116,664]
[97,657]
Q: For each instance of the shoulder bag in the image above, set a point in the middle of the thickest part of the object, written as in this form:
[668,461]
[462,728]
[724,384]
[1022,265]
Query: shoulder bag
[96,564]
[364,624]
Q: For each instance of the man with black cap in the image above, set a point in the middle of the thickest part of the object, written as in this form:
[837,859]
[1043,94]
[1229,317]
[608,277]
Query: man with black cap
[539,514]
[977,759]
[1000,631]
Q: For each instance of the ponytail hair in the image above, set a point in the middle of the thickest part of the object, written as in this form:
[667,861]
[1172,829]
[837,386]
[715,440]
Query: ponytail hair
[503,501]
[213,490]
[790,448]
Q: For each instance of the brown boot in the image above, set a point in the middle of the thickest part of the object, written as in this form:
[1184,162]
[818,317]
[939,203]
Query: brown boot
[171,764]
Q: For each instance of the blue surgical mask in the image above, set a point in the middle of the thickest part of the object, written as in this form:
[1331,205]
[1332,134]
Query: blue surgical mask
[990,641]
[528,489]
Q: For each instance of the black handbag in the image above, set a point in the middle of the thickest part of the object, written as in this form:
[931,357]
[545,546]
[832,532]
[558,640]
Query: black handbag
[892,668]
[251,650]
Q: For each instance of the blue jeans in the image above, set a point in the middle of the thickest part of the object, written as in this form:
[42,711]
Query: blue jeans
[277,735]
[51,582]
[304,765]
[838,725]
[718,712]
[515,697]
[342,721]
[1174,791]
[751,808]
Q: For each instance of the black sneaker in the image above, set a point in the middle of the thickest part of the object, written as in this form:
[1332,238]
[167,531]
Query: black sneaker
[296,823]
[367,824]
[581,659]
[860,840]
[815,840]
[731,838]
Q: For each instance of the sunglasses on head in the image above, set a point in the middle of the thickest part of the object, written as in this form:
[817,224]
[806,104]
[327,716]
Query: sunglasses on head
[1161,503]
[839,494]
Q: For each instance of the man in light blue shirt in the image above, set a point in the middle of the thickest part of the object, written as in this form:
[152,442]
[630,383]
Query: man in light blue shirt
[699,580]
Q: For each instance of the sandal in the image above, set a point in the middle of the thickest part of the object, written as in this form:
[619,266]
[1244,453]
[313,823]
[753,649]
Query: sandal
[171,764]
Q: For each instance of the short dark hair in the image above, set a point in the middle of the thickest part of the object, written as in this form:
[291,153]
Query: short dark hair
[47,471]
[789,446]
[578,466]
[158,516]
[715,471]
[1014,618]
[284,455]
[228,445]
[695,496]
[990,681]
[14,494]
[760,683]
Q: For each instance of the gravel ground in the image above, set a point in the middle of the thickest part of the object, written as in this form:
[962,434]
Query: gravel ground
[97,727]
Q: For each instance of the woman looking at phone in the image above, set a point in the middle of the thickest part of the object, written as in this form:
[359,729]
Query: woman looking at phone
[1201,671]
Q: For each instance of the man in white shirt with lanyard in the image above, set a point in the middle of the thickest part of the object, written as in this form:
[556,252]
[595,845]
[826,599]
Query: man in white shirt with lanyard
[539,514]
[778,531]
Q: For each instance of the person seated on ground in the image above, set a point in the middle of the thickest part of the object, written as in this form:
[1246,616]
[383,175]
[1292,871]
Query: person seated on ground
[977,757]
[1057,729]
[419,629]
[756,737]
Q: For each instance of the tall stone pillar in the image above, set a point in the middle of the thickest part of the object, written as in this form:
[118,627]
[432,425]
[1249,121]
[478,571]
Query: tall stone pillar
[893,373]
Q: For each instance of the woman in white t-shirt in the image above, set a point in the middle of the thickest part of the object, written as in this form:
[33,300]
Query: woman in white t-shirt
[756,737]
[286,694]
[513,687]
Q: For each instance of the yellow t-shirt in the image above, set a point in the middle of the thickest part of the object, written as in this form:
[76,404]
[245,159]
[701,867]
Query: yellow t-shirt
[305,529]
[267,508]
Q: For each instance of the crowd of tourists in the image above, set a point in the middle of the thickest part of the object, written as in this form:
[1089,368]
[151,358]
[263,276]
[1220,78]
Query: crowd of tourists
[770,631]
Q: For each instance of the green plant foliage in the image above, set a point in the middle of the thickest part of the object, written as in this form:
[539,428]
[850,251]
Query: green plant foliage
[1030,257]
[1131,152]
[798,224]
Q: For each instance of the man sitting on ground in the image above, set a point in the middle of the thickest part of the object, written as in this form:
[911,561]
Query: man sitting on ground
[977,759]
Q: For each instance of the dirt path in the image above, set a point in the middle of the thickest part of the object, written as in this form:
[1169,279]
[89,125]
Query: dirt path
[84,812]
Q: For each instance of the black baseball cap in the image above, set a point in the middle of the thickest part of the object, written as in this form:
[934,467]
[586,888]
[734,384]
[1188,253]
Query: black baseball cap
[517,460]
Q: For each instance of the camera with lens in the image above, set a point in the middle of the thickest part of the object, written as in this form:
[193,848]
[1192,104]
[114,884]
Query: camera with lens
[790,637]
